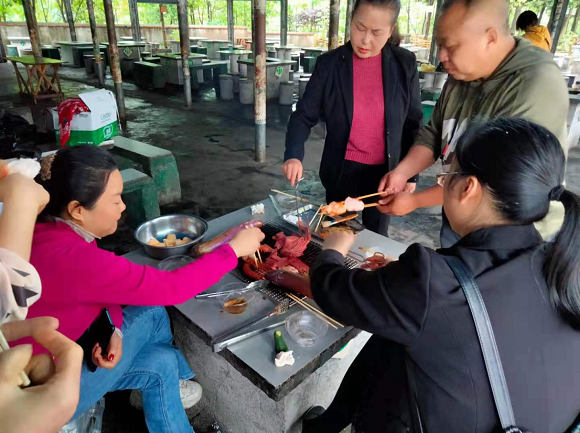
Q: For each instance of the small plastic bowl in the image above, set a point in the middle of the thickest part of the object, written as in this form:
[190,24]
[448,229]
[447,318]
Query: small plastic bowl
[244,297]
[288,202]
[175,262]
[305,328]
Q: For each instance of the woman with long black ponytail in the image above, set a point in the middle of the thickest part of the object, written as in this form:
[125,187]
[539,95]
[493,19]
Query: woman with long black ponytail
[505,174]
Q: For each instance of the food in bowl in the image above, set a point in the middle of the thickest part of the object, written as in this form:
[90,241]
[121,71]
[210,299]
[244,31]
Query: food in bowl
[169,241]
[236,305]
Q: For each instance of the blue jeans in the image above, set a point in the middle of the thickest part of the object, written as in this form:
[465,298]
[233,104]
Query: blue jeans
[150,363]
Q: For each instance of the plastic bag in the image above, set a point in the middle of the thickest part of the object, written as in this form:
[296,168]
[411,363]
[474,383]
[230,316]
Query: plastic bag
[89,422]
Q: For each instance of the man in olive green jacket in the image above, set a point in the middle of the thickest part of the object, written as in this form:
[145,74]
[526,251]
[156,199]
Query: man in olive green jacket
[491,74]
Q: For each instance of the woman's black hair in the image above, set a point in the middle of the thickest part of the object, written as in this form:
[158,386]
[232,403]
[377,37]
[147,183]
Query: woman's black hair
[526,20]
[522,165]
[393,5]
[78,173]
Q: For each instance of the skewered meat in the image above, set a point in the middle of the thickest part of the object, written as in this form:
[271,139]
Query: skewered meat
[337,208]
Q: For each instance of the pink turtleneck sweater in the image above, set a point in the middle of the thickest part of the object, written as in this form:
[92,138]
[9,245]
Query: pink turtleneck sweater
[366,143]
[79,279]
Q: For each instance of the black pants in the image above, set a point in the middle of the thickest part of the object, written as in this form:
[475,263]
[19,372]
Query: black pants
[373,395]
[447,236]
[360,179]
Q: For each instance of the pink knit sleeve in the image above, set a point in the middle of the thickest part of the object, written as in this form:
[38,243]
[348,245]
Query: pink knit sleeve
[107,278]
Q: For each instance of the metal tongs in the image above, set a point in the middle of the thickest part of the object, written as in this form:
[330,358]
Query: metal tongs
[302,229]
[252,286]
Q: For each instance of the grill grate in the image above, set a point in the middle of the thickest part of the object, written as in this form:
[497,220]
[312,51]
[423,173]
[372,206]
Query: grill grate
[312,251]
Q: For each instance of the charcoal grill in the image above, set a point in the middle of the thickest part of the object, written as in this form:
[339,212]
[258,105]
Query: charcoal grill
[312,251]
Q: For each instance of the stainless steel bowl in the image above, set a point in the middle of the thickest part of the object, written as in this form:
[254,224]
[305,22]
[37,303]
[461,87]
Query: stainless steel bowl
[191,226]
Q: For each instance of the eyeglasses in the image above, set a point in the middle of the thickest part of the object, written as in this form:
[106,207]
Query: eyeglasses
[441,177]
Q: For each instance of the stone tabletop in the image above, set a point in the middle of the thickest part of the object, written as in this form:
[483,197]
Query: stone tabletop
[254,357]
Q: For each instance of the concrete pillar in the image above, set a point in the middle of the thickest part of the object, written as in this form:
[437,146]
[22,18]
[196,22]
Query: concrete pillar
[286,93]
[243,69]
[283,23]
[333,24]
[226,87]
[246,91]
[234,68]
[32,25]
[231,36]
[184,42]
[260,78]
[99,66]
[236,79]
[70,20]
[114,58]
[349,7]
[134,16]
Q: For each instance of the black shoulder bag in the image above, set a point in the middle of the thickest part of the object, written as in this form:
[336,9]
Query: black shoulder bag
[486,338]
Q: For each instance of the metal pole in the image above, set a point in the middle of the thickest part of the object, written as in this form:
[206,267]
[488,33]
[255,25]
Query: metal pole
[260,78]
[99,67]
[230,4]
[134,17]
[2,51]
[114,58]
[283,23]
[333,24]
[32,30]
[558,23]
[70,20]
[163,25]
[434,51]
[349,6]
[184,42]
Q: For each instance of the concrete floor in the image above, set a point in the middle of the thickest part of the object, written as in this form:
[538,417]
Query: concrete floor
[213,143]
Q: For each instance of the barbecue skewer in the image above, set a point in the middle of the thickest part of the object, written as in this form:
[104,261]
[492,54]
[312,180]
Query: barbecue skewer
[316,311]
[290,195]
[366,250]
[372,205]
[315,215]
[362,197]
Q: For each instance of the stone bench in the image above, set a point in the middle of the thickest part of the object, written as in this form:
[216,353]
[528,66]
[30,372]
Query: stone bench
[216,68]
[147,74]
[140,196]
[152,59]
[157,163]
[308,64]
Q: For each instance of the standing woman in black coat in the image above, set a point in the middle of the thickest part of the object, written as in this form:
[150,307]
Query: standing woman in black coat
[367,92]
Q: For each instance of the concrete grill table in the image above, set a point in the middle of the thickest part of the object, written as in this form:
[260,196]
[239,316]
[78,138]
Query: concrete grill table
[38,83]
[66,51]
[171,63]
[233,56]
[242,387]
[22,43]
[213,46]
[276,71]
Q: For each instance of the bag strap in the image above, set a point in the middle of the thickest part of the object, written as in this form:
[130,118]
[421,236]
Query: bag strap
[486,340]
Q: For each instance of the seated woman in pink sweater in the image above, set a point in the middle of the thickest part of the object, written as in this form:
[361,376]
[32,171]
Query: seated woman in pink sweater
[80,280]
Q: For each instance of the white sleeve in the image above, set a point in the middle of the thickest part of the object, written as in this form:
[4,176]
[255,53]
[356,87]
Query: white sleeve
[20,286]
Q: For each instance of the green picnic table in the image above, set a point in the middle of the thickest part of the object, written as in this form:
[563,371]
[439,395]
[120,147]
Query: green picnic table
[38,83]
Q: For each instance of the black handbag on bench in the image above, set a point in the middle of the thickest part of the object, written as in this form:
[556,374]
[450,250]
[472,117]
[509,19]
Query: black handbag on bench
[490,355]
